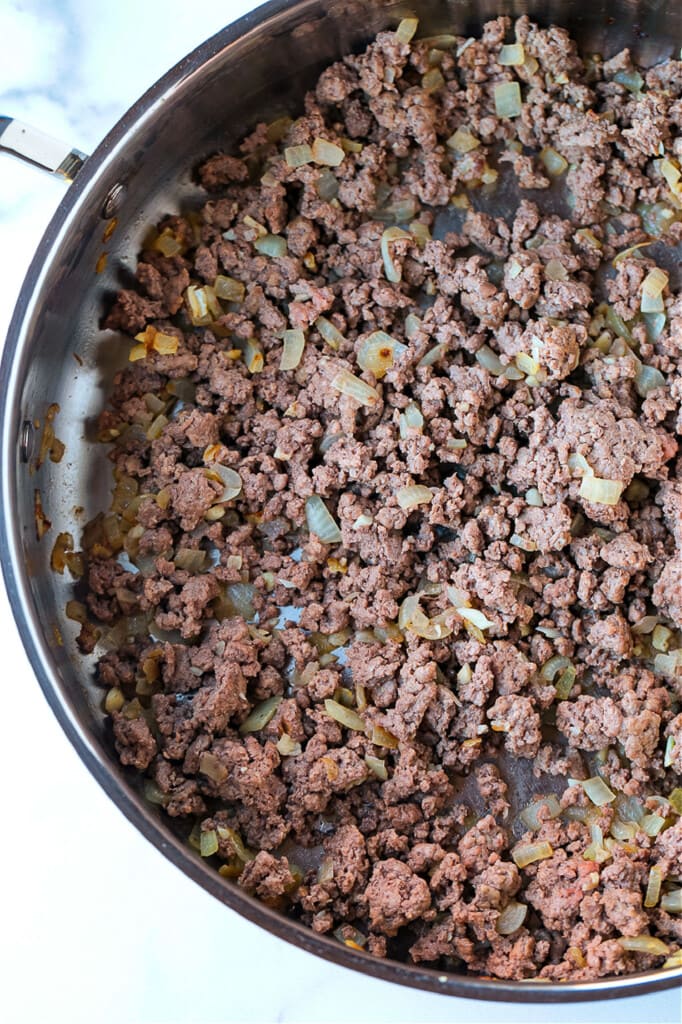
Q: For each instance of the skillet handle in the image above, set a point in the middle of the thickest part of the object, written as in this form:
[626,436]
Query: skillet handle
[39,149]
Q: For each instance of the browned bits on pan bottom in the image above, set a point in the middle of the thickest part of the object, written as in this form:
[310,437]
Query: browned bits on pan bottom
[396,522]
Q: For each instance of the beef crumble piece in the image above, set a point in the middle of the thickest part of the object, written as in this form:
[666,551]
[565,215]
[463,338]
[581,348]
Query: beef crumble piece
[371,595]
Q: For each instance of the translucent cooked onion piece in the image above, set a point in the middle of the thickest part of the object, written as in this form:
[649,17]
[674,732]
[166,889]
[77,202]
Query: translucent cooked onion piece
[414,494]
[411,420]
[331,334]
[377,353]
[632,80]
[512,55]
[508,101]
[229,289]
[653,889]
[406,29]
[530,815]
[555,163]
[348,384]
[297,156]
[511,918]
[475,616]
[644,944]
[600,491]
[321,522]
[327,153]
[271,245]
[344,716]
[669,665]
[648,379]
[260,716]
[202,304]
[490,361]
[597,791]
[390,235]
[231,480]
[671,901]
[462,141]
[287,747]
[191,559]
[528,853]
[208,843]
[377,767]
[292,350]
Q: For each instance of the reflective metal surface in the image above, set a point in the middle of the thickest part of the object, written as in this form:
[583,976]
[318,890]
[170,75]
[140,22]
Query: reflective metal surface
[255,69]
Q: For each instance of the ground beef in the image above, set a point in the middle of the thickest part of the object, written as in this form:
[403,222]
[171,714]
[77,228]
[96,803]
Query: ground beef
[395,896]
[354,611]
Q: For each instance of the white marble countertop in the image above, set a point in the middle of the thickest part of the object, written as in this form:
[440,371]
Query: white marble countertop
[96,925]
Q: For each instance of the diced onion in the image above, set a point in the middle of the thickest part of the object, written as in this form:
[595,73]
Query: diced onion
[229,289]
[653,889]
[554,162]
[320,521]
[208,843]
[202,304]
[530,817]
[655,324]
[260,716]
[462,141]
[652,824]
[376,766]
[191,559]
[212,767]
[297,156]
[512,55]
[433,355]
[555,665]
[231,480]
[648,379]
[327,185]
[671,901]
[287,747]
[344,716]
[294,343]
[377,353]
[393,273]
[240,597]
[625,253]
[348,384]
[600,491]
[413,495]
[668,756]
[597,791]
[508,99]
[271,245]
[489,361]
[511,918]
[534,498]
[406,29]
[675,960]
[644,944]
[432,80]
[475,616]
[412,618]
[654,283]
[528,853]
[670,172]
[632,80]
[331,335]
[411,420]
[669,664]
[327,153]
[555,271]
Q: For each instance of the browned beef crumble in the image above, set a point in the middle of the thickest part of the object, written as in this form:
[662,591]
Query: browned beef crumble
[344,759]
